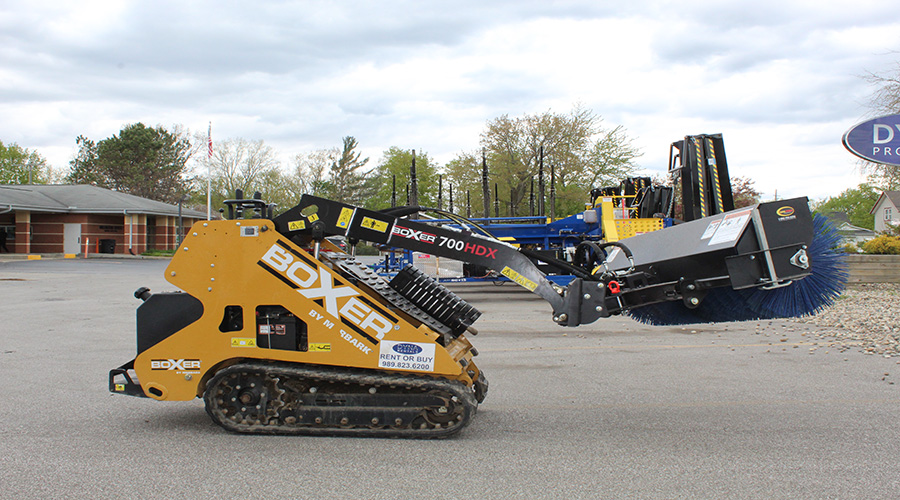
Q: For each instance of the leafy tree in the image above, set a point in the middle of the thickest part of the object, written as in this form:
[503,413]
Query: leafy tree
[743,192]
[20,165]
[855,202]
[150,162]
[465,173]
[346,183]
[579,151]
[396,162]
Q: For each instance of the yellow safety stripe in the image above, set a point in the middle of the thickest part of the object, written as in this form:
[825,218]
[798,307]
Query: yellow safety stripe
[720,205]
[701,177]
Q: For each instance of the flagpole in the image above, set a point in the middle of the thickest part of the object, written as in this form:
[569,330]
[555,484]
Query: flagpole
[209,172]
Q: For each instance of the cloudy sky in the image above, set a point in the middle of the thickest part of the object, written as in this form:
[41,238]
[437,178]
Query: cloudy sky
[782,80]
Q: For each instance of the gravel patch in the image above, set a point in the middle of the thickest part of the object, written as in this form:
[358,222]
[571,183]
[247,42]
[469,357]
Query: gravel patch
[866,317]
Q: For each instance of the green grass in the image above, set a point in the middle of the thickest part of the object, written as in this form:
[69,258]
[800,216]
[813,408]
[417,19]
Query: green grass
[158,253]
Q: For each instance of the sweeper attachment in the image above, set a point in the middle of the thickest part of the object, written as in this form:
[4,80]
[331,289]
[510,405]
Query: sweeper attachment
[280,331]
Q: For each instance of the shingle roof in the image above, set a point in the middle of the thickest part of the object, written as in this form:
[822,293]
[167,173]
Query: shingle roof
[83,198]
[894,196]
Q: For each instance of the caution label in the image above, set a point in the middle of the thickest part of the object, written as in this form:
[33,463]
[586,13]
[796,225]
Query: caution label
[344,218]
[319,347]
[297,225]
[243,342]
[374,225]
[519,279]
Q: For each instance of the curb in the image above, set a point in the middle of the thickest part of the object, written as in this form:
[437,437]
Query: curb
[15,257]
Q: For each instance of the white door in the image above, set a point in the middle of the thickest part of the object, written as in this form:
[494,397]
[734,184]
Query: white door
[72,238]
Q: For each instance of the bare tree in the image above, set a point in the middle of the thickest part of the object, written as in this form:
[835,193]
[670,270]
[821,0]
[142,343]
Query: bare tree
[885,100]
[886,97]
[310,171]
[241,164]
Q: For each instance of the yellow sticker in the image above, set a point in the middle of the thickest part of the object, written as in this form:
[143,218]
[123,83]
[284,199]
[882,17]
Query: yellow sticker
[243,342]
[374,225]
[120,387]
[297,225]
[313,217]
[518,278]
[344,218]
[319,347]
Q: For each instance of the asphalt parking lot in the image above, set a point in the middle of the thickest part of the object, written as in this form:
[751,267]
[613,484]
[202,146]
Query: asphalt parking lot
[614,409]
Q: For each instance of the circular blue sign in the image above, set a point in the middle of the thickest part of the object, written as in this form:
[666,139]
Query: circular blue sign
[876,140]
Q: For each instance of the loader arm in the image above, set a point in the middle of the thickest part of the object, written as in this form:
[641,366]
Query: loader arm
[761,246]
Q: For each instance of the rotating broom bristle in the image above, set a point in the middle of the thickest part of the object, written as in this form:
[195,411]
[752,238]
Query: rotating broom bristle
[828,276]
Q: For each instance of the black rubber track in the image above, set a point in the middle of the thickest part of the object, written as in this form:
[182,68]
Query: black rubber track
[258,397]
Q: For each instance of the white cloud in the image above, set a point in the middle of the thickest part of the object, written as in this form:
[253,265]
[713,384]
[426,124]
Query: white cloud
[780,79]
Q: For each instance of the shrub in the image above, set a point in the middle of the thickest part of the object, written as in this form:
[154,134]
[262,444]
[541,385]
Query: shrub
[848,248]
[883,245]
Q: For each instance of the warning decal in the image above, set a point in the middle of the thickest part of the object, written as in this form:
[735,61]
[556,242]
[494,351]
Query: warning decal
[518,278]
[297,225]
[243,342]
[374,225]
[710,230]
[344,218]
[730,228]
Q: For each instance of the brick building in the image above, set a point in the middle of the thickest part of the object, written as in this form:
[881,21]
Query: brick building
[82,218]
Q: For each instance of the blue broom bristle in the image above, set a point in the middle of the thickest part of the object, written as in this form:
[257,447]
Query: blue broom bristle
[827,278]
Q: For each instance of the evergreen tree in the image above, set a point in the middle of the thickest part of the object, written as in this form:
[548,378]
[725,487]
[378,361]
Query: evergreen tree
[346,182]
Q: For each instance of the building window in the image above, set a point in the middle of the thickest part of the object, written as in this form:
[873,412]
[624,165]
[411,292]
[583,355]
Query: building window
[10,233]
[887,214]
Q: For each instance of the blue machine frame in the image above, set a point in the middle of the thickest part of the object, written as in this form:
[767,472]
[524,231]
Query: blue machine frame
[537,231]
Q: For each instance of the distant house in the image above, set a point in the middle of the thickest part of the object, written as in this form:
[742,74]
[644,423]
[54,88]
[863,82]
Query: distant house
[79,218]
[886,210]
[848,232]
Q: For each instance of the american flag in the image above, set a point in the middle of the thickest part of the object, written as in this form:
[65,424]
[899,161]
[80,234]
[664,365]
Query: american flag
[209,142]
